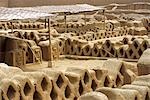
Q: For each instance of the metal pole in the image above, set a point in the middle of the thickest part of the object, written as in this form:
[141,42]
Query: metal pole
[50,46]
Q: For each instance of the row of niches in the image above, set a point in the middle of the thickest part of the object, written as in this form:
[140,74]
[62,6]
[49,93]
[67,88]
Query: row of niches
[71,83]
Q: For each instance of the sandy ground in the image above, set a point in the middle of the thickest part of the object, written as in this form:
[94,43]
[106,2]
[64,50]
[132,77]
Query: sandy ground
[62,64]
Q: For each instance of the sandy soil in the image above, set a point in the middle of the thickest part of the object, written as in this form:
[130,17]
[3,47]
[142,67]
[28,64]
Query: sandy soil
[62,64]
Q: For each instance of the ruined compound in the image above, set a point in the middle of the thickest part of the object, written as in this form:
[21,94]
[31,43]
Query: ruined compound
[74,51]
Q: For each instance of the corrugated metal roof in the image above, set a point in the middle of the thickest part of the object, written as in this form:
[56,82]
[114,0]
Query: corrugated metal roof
[64,8]
[7,14]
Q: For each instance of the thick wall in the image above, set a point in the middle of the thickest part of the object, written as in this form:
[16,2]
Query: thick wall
[3,3]
[16,3]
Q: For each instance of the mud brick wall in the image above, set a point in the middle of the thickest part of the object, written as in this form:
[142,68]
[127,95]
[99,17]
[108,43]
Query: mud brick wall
[3,3]
[15,3]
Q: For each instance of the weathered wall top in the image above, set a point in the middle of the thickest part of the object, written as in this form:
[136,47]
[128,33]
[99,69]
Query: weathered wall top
[16,3]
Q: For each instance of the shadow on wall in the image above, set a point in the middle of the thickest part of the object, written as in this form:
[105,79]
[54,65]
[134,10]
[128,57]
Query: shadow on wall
[21,3]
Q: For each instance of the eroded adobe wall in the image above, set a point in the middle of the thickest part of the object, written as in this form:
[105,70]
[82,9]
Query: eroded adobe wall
[15,3]
[3,3]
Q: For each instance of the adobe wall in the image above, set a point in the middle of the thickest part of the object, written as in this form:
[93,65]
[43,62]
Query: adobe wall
[3,3]
[15,3]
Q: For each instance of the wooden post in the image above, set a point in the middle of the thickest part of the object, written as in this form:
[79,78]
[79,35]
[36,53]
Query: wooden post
[50,46]
[65,18]
[11,27]
[84,18]
[104,19]
[45,22]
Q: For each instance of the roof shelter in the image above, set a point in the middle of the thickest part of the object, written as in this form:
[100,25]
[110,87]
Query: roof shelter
[64,9]
[8,14]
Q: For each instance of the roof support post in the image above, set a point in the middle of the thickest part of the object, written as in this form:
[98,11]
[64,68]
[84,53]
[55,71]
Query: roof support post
[84,18]
[11,27]
[50,45]
[45,23]
[104,19]
[65,18]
